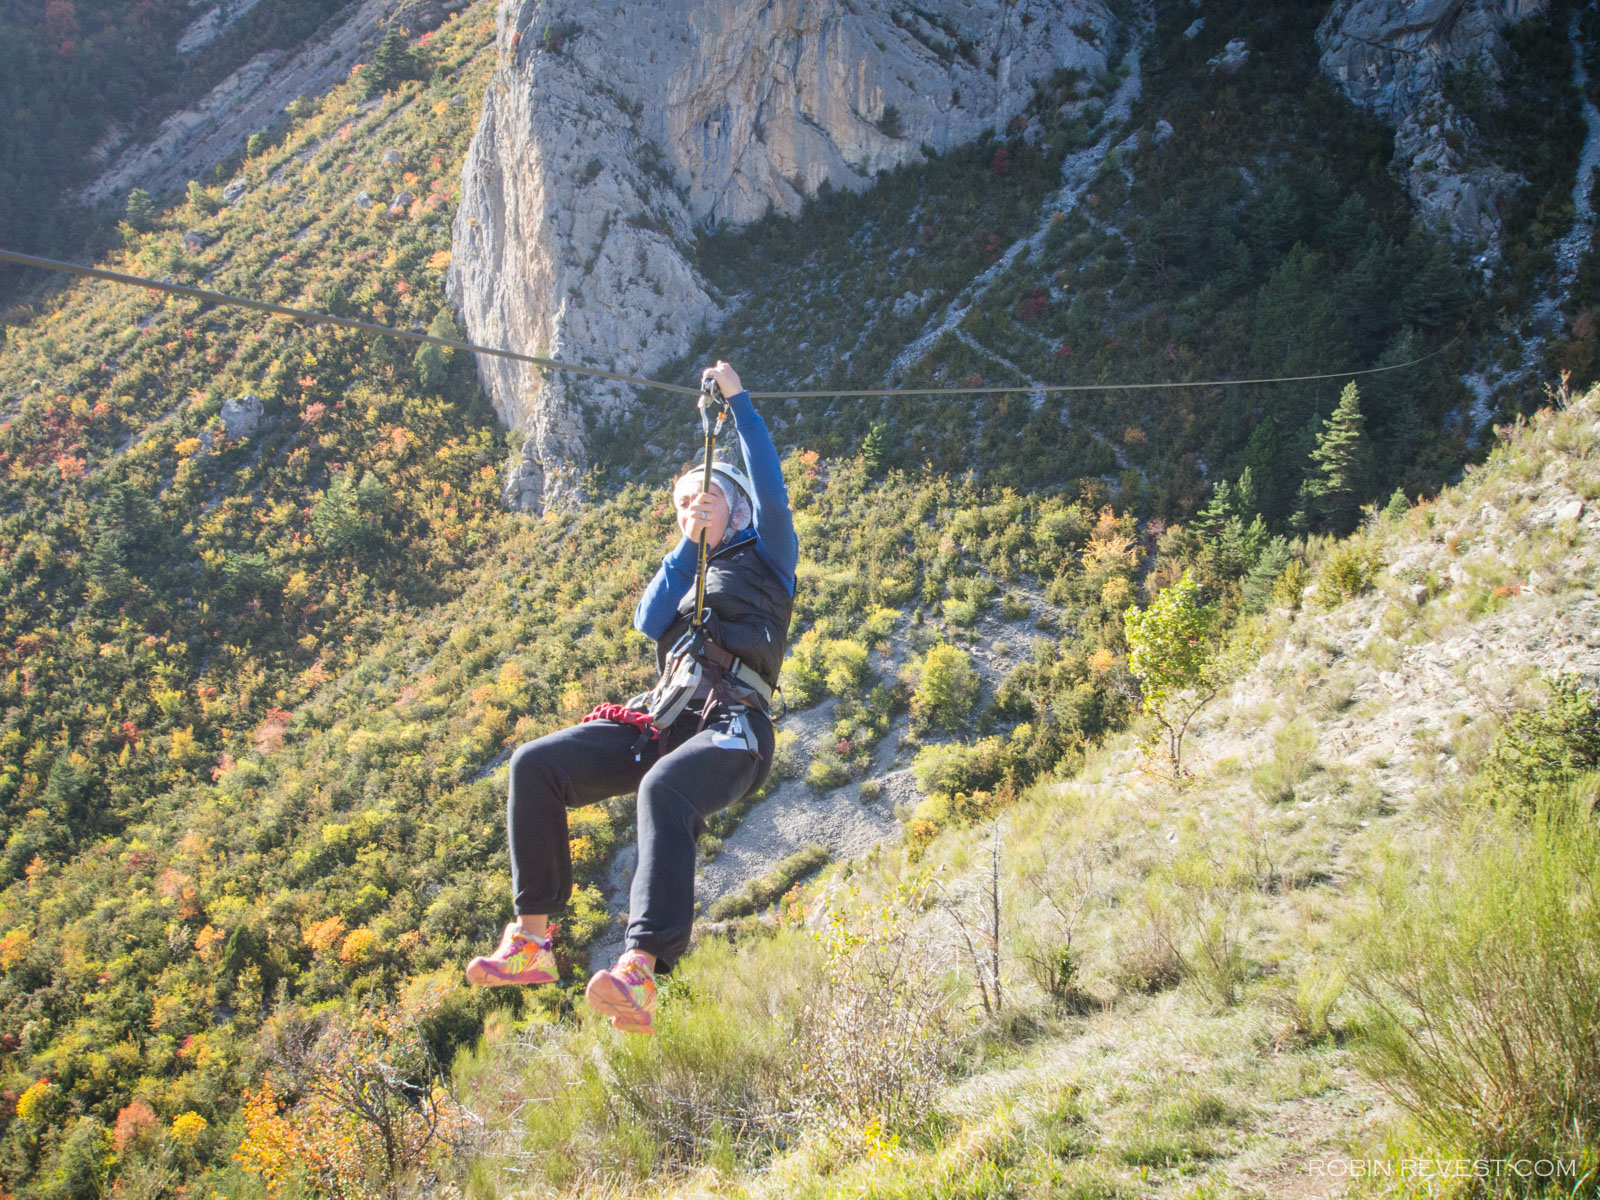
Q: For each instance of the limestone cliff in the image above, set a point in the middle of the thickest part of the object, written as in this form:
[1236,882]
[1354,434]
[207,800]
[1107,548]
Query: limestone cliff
[1390,56]
[610,132]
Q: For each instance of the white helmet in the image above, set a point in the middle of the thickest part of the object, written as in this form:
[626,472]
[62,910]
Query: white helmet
[734,485]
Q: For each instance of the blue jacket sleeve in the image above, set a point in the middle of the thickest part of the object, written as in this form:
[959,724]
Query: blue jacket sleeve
[774,520]
[658,607]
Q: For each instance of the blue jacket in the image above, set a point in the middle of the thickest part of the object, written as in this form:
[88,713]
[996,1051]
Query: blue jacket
[750,595]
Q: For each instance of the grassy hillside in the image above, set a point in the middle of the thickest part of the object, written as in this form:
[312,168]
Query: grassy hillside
[1362,931]
[258,687]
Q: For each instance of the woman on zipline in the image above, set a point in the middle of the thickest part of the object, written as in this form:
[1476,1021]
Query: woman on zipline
[700,740]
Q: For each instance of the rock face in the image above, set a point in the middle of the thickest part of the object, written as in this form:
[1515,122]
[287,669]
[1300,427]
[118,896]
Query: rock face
[241,416]
[610,133]
[1390,56]
[253,98]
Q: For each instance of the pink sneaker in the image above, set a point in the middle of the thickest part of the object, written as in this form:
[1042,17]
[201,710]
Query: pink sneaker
[518,959]
[626,993]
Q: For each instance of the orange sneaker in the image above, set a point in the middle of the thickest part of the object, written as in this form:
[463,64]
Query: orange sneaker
[626,993]
[518,959]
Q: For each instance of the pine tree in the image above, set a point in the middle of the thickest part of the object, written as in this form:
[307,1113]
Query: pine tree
[1232,544]
[392,63]
[347,519]
[1398,505]
[874,448]
[141,210]
[1340,466]
[433,363]
[129,544]
[1264,456]
[1269,565]
[1398,430]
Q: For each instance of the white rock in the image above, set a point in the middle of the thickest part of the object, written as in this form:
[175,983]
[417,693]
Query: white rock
[363,199]
[1163,131]
[1570,511]
[1390,56]
[209,27]
[241,417]
[1419,594]
[1194,30]
[235,191]
[1458,574]
[391,158]
[1234,55]
[699,112]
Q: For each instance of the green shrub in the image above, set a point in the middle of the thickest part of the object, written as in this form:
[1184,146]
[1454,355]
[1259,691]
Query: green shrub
[1289,587]
[1485,985]
[1014,608]
[949,767]
[759,893]
[1202,912]
[1346,574]
[827,771]
[817,666]
[848,666]
[947,689]
[961,613]
[1307,1005]
[802,676]
[1293,750]
[1546,748]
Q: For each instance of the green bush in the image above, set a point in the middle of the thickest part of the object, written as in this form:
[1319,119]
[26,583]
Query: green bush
[1346,574]
[1293,753]
[1290,586]
[1540,749]
[827,771]
[759,893]
[949,767]
[848,666]
[1485,985]
[947,689]
[961,613]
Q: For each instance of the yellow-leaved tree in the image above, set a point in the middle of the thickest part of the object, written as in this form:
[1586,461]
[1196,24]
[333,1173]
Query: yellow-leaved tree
[352,1104]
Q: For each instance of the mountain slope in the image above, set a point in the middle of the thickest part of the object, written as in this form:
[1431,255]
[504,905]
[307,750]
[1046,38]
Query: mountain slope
[1222,935]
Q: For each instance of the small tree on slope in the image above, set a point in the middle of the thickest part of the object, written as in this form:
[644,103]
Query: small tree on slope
[1172,653]
[1341,466]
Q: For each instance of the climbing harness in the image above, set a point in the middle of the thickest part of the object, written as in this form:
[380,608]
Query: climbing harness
[696,666]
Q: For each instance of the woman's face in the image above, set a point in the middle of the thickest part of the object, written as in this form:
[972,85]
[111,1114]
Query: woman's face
[697,510]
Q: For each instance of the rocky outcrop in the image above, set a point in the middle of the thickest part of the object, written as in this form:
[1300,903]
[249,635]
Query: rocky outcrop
[241,416]
[1390,56]
[253,98]
[212,24]
[610,134]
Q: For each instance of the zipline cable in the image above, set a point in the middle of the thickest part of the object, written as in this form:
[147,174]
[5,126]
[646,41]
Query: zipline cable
[317,318]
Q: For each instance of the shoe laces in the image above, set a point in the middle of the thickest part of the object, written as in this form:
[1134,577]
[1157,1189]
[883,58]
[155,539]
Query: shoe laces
[635,970]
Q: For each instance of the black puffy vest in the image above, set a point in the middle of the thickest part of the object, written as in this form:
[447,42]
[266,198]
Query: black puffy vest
[752,610]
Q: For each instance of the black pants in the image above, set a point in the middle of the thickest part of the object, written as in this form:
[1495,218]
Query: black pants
[682,778]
